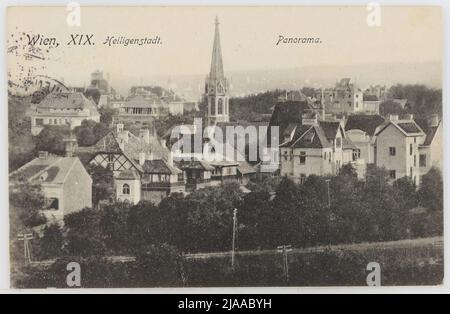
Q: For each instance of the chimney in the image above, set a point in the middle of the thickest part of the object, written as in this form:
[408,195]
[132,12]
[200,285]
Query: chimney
[145,135]
[43,154]
[433,120]
[141,158]
[69,145]
[123,136]
[393,117]
[170,159]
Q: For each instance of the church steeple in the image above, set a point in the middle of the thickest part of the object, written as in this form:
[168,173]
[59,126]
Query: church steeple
[216,71]
[216,85]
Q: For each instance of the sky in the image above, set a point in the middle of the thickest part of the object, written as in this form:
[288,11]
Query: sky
[248,39]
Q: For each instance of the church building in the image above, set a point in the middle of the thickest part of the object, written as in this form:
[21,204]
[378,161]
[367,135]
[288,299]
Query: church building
[216,85]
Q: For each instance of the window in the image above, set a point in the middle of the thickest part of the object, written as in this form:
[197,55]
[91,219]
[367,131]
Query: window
[285,155]
[338,142]
[220,106]
[302,158]
[325,156]
[53,203]
[356,154]
[410,149]
[392,174]
[411,172]
[422,160]
[39,121]
[126,189]
[415,160]
[392,151]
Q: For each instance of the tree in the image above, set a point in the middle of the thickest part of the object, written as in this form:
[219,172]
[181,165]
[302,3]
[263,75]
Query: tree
[51,243]
[26,200]
[405,192]
[159,265]
[51,139]
[83,233]
[103,185]
[89,132]
[431,190]
[106,115]
[114,229]
[21,147]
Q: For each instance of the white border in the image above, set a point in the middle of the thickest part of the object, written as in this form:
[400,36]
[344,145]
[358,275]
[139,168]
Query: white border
[4,217]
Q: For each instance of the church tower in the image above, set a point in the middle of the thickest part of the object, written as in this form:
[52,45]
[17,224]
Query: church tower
[216,85]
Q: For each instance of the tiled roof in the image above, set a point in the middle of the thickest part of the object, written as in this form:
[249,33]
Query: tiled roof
[307,136]
[330,128]
[51,169]
[366,123]
[409,127]
[67,100]
[194,163]
[286,113]
[159,166]
[430,132]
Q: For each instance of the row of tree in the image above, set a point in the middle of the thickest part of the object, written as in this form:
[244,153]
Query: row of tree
[318,212]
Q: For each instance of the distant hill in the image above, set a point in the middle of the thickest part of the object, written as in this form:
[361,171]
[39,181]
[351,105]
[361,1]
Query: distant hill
[250,82]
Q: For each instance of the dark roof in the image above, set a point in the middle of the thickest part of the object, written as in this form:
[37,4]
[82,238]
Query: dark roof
[159,167]
[409,127]
[286,113]
[194,163]
[366,123]
[368,97]
[330,128]
[308,136]
[51,169]
[67,100]
[430,132]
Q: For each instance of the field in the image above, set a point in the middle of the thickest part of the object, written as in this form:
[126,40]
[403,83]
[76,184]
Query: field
[405,262]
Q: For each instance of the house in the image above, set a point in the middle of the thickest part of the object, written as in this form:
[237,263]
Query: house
[316,147]
[65,183]
[345,97]
[197,172]
[397,147]
[360,129]
[430,151]
[371,104]
[65,108]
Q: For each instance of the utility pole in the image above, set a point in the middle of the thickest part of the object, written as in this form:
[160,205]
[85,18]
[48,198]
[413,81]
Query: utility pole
[26,237]
[284,249]
[328,192]
[233,245]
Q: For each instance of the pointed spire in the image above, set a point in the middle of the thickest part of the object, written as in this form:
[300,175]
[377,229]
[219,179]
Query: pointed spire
[216,60]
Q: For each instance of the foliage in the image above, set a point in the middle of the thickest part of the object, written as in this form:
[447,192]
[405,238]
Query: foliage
[431,192]
[51,139]
[103,186]
[252,107]
[51,243]
[422,100]
[83,233]
[21,147]
[89,132]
